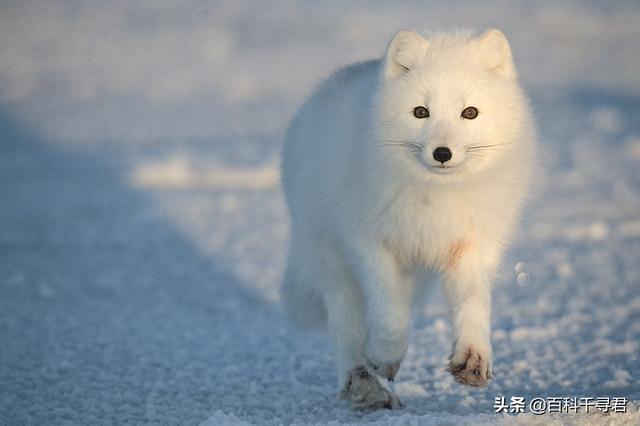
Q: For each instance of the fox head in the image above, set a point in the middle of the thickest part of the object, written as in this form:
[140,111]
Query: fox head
[450,107]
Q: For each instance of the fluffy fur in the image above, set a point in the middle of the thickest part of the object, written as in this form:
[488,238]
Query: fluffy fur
[372,211]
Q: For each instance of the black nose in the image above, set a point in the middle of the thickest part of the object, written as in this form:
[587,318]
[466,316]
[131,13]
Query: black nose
[442,154]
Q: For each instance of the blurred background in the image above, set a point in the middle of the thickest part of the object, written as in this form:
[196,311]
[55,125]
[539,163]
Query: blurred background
[143,231]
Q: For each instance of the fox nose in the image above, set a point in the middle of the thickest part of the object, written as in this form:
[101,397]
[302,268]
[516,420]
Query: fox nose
[442,154]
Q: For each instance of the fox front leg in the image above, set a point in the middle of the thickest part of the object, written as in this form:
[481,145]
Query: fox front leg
[468,289]
[386,291]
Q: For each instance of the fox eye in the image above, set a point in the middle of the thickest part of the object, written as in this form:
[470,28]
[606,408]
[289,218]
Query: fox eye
[420,112]
[469,113]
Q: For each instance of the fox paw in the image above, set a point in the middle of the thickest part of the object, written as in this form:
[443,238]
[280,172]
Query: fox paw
[470,367]
[364,391]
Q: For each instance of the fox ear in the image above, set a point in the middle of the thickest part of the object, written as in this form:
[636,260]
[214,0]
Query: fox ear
[406,48]
[494,51]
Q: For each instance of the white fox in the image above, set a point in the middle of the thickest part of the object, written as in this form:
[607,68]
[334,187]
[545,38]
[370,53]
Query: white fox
[393,168]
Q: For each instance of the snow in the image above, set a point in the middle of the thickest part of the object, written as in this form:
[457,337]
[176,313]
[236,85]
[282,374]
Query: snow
[143,231]
[178,172]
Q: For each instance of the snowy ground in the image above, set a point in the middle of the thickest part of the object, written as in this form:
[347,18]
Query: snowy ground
[143,234]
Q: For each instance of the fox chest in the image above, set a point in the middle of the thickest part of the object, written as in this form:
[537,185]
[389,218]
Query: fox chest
[432,235]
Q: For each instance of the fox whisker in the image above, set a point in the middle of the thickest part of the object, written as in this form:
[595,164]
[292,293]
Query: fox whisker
[413,146]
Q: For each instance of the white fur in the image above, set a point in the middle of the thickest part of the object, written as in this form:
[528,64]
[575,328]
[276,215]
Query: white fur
[367,213]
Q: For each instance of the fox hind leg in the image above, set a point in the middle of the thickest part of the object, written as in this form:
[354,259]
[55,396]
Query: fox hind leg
[318,290]
[303,304]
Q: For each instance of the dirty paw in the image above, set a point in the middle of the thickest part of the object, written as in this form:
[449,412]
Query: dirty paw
[471,368]
[364,391]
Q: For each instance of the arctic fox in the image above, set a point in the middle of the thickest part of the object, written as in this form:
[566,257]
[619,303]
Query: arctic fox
[418,162]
